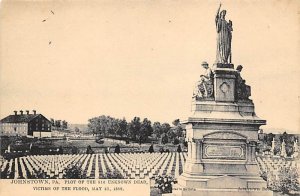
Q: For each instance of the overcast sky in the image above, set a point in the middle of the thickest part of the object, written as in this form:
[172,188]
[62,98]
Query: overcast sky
[142,58]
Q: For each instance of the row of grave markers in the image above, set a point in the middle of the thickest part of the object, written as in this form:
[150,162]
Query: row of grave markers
[137,165]
[129,165]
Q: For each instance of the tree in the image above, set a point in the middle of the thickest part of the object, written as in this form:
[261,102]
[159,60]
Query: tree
[134,128]
[269,138]
[176,122]
[64,124]
[171,133]
[101,125]
[52,121]
[157,129]
[144,131]
[77,130]
[289,141]
[58,124]
[122,127]
[165,127]
[178,131]
[92,126]
[175,132]
[111,125]
[164,139]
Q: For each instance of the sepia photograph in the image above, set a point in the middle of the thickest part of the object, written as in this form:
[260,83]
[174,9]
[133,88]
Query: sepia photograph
[140,97]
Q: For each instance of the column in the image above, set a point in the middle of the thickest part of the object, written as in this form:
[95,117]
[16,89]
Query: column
[189,150]
[252,145]
[194,151]
[198,150]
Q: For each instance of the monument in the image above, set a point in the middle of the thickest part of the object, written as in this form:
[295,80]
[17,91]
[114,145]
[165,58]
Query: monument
[273,147]
[295,149]
[222,131]
[283,150]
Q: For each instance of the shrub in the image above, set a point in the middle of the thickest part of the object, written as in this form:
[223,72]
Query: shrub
[74,150]
[185,144]
[117,149]
[179,149]
[176,141]
[73,172]
[286,182]
[151,149]
[164,183]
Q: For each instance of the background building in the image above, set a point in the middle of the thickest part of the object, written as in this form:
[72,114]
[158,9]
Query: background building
[30,125]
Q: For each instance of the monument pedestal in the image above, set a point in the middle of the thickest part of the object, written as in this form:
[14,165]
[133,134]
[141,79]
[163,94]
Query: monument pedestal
[181,191]
[222,135]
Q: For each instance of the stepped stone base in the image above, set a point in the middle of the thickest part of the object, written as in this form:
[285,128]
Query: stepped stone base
[212,185]
[181,191]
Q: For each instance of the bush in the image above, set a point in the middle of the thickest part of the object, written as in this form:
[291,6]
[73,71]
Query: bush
[117,149]
[73,172]
[179,149]
[89,150]
[164,183]
[176,141]
[151,149]
[287,181]
[74,150]
[185,144]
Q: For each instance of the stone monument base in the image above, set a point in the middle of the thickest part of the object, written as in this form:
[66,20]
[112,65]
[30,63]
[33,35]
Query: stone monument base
[212,185]
[183,191]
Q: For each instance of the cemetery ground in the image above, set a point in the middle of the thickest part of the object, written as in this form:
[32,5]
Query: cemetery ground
[55,159]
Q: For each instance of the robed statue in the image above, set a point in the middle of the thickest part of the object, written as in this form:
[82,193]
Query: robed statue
[224,36]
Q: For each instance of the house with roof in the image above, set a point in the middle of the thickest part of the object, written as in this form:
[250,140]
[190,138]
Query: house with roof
[30,125]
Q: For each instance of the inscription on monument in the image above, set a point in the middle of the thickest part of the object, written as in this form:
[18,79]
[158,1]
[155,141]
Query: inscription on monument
[217,151]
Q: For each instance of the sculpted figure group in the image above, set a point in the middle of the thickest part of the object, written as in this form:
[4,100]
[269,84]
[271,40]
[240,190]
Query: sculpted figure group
[204,88]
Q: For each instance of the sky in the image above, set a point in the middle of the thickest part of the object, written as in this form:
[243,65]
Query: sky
[142,58]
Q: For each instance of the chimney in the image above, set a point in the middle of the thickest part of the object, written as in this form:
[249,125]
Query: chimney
[21,111]
[27,112]
[34,112]
[15,112]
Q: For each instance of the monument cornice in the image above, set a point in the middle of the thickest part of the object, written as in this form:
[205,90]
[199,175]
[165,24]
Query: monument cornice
[195,121]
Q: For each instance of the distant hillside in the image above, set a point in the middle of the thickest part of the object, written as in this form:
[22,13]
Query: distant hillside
[82,127]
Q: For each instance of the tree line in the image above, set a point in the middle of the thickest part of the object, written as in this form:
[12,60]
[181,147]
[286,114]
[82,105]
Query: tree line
[59,124]
[137,130]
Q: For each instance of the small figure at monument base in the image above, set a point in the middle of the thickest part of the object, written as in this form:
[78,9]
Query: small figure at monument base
[243,91]
[204,87]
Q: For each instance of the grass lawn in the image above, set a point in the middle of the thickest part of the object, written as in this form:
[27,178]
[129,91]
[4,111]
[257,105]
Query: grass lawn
[23,144]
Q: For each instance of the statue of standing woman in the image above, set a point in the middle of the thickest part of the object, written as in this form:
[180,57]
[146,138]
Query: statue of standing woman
[224,29]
